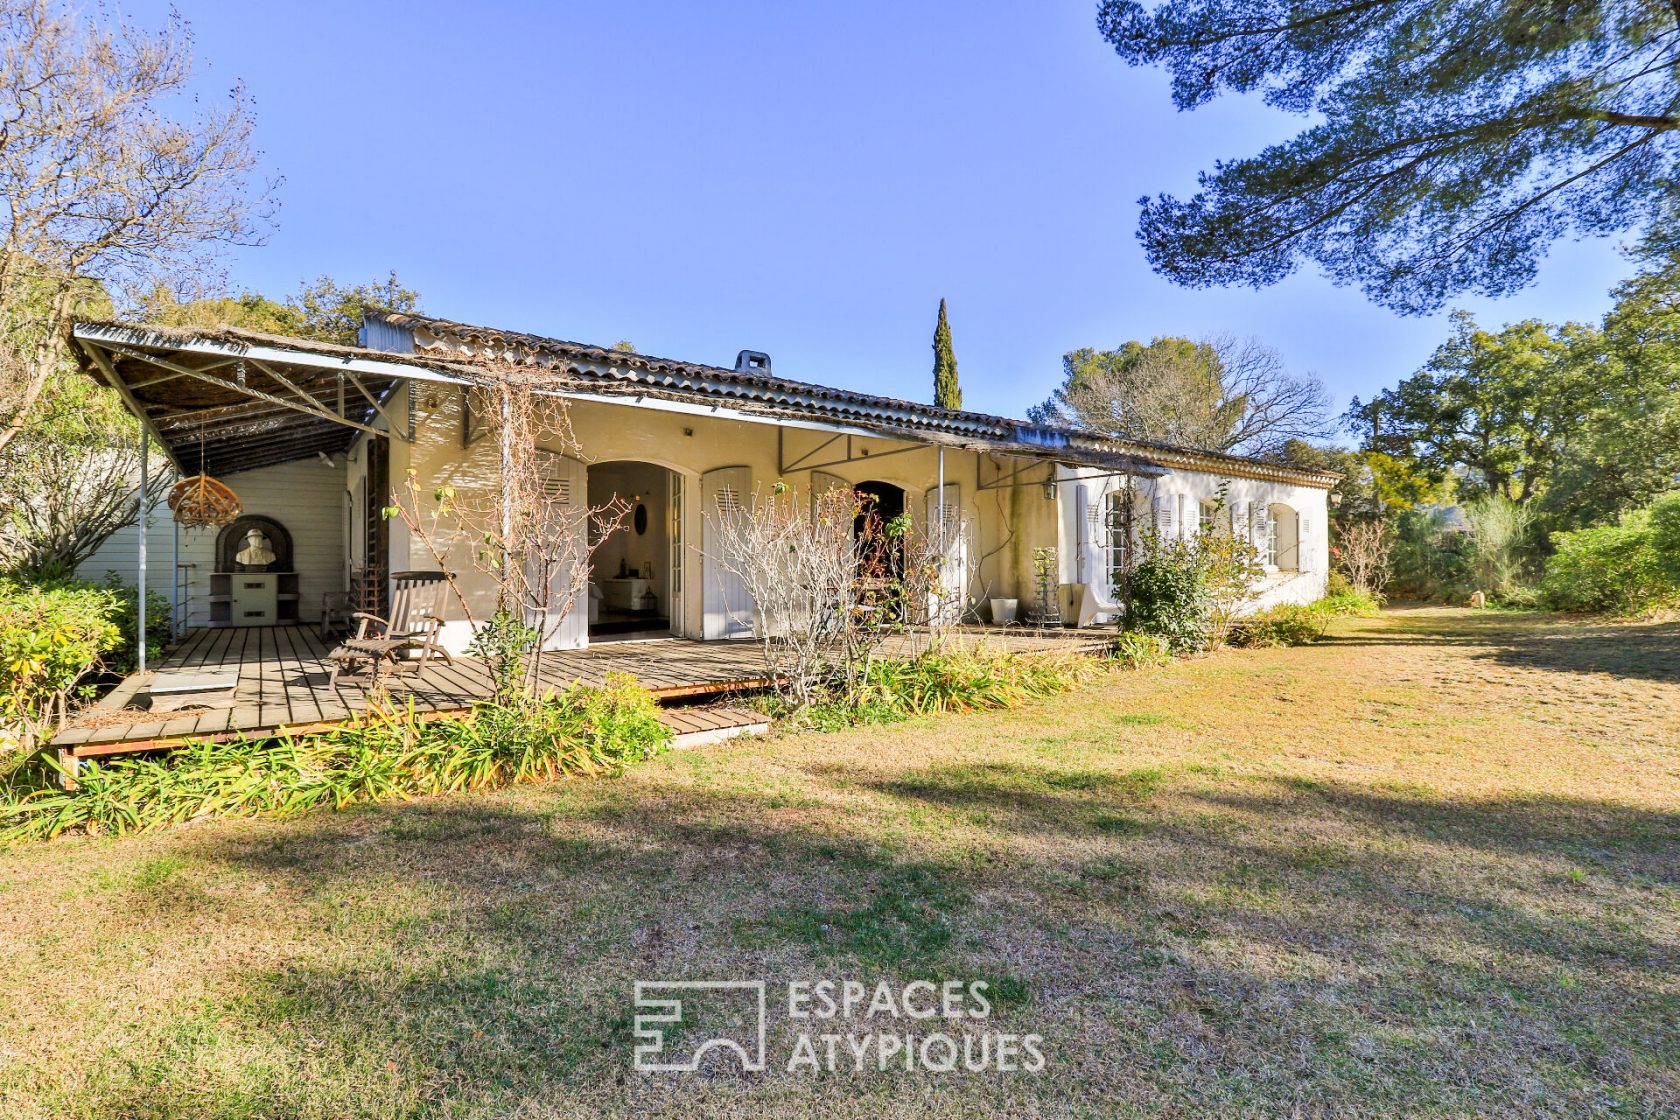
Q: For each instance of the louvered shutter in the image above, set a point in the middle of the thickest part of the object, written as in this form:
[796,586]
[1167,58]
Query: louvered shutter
[1164,517]
[1303,544]
[727,606]
[1088,534]
[953,575]
[564,623]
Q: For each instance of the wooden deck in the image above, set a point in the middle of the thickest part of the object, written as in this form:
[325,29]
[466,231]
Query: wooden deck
[283,675]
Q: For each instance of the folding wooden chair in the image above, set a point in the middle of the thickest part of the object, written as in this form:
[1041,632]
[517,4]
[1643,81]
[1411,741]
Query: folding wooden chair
[415,624]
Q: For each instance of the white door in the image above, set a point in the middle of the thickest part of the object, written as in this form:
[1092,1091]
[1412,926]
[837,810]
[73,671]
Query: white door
[676,560]
[953,548]
[727,607]
[564,624]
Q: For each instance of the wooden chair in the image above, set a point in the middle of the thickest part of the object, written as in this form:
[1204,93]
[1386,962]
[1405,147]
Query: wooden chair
[335,613]
[415,624]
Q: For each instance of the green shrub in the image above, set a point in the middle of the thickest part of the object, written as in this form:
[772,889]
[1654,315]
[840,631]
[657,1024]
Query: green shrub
[1169,595]
[389,755]
[1136,650]
[50,638]
[1665,535]
[1350,604]
[1429,561]
[124,656]
[1626,568]
[1288,624]
[960,679]
[950,679]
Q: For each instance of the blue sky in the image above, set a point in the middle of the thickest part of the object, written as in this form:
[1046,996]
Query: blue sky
[802,179]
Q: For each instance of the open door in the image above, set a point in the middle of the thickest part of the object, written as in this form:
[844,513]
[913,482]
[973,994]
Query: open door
[727,606]
[947,609]
[565,623]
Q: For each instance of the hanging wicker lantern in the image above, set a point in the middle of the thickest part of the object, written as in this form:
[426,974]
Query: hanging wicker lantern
[201,500]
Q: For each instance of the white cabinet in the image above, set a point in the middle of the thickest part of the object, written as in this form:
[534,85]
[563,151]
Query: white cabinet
[632,594]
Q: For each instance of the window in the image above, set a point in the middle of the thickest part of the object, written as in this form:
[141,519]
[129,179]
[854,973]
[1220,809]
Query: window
[1271,541]
[1206,514]
[1116,537]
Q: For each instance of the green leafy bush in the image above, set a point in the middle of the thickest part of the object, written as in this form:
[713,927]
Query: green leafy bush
[1288,624]
[1350,604]
[391,755]
[124,656]
[1626,568]
[1169,595]
[50,638]
[1136,650]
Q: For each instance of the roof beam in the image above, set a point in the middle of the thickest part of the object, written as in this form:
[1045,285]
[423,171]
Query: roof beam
[316,411]
[109,373]
[136,336]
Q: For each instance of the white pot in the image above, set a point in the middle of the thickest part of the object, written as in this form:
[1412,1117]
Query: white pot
[1004,610]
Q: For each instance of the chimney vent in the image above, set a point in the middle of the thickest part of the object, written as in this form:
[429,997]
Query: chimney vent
[752,361]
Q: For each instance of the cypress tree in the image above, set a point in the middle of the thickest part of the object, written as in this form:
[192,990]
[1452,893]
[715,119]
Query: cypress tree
[946,392]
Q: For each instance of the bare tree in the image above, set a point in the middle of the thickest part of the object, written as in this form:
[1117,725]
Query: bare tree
[830,580]
[527,531]
[1219,394]
[70,479]
[103,189]
[1365,551]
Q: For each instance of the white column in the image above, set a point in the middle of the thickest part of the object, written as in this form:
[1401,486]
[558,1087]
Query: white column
[145,447]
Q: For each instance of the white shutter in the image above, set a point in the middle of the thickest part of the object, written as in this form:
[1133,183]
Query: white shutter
[564,624]
[821,483]
[1303,543]
[1164,517]
[1239,518]
[727,606]
[1087,515]
[953,575]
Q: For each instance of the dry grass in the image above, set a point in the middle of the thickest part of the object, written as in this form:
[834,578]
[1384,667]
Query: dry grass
[1428,867]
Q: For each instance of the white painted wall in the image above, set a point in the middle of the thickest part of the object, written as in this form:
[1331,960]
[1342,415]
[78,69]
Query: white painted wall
[1175,499]
[307,497]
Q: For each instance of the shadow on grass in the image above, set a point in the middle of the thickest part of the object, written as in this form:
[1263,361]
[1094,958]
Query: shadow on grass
[1234,945]
[1633,650]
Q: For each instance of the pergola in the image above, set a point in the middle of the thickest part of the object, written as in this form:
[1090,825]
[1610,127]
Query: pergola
[224,402]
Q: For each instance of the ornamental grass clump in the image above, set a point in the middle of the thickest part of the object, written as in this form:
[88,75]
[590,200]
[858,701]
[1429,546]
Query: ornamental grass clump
[384,756]
[962,680]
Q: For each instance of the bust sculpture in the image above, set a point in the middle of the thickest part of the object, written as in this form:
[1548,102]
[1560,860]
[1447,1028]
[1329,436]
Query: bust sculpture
[257,553]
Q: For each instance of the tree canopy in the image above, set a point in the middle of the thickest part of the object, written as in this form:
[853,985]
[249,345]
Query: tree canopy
[108,183]
[1452,140]
[1494,408]
[322,309]
[1581,420]
[1221,394]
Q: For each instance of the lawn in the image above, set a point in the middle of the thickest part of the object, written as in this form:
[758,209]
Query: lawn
[1430,866]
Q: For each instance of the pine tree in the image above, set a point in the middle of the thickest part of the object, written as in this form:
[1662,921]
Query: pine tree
[946,392]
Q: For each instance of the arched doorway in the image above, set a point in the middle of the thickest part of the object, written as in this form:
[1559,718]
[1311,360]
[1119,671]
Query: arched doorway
[881,552]
[635,576]
[881,501]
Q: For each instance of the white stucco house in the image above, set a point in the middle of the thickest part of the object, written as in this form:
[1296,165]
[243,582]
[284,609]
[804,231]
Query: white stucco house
[312,436]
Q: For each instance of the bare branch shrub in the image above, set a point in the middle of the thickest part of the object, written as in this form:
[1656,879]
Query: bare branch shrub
[830,580]
[530,534]
[1365,555]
